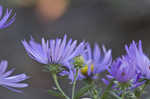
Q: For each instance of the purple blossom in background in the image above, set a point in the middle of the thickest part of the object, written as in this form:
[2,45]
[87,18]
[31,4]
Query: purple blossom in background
[57,51]
[11,82]
[130,67]
[7,19]
[123,69]
[95,61]
[142,62]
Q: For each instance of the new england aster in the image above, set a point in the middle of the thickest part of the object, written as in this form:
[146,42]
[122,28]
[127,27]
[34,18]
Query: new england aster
[11,82]
[141,60]
[7,19]
[95,61]
[57,51]
[131,67]
[123,69]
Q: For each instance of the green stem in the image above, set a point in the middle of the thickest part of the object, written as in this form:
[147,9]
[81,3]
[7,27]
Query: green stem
[74,84]
[107,89]
[58,86]
[123,96]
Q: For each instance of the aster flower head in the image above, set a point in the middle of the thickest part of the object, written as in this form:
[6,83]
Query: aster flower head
[11,82]
[126,68]
[57,51]
[142,62]
[95,61]
[123,69]
[7,19]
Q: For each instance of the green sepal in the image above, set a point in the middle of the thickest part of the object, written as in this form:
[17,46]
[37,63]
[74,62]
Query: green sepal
[55,93]
[51,68]
[55,68]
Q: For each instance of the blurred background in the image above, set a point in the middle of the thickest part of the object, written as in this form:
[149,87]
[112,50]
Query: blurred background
[110,22]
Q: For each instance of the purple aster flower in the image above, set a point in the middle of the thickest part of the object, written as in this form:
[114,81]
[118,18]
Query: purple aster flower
[11,82]
[95,61]
[142,62]
[130,67]
[123,69]
[7,19]
[57,51]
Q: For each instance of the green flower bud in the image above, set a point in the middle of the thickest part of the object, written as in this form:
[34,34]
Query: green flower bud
[78,62]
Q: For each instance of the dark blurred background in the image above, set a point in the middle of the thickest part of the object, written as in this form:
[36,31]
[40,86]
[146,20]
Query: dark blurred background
[110,22]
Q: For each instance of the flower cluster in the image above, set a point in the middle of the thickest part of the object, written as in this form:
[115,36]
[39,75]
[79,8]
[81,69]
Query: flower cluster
[126,77]
[126,73]
[80,61]
[131,71]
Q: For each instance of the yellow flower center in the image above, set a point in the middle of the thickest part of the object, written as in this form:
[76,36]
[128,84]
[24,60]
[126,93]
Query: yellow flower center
[84,70]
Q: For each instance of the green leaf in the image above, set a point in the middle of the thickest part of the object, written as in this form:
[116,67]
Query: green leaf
[83,90]
[113,94]
[54,93]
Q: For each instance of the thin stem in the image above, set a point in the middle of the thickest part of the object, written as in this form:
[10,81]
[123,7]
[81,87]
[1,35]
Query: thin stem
[58,86]
[74,83]
[123,96]
[107,89]
[124,87]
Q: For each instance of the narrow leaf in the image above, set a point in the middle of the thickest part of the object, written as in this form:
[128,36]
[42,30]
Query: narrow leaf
[54,93]
[82,91]
[114,95]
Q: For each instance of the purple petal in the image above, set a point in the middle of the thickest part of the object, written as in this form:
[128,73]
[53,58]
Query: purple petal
[3,67]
